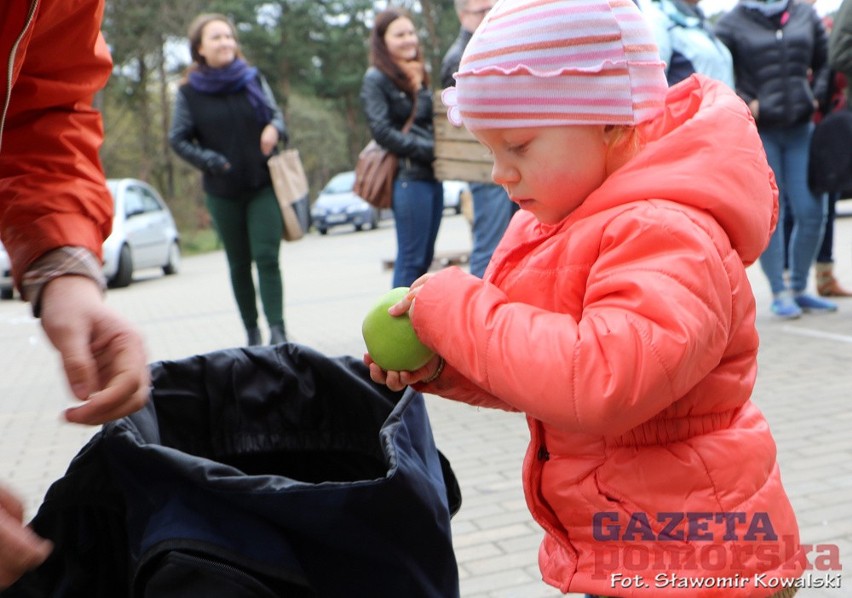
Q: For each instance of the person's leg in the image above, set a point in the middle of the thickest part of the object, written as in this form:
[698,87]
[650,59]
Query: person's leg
[492,211]
[808,218]
[265,228]
[436,214]
[825,253]
[229,218]
[788,232]
[772,258]
[827,285]
[417,221]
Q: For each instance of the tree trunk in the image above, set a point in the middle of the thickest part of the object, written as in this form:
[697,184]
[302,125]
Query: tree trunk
[165,115]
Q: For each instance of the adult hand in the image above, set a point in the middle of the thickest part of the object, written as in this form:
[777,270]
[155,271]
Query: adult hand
[20,548]
[268,139]
[102,354]
[754,106]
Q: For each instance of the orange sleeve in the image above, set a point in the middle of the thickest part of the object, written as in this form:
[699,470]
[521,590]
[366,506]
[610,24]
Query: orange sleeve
[52,185]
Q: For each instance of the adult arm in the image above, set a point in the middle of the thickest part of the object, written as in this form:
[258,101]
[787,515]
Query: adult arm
[840,42]
[277,120]
[726,31]
[182,138]
[376,105]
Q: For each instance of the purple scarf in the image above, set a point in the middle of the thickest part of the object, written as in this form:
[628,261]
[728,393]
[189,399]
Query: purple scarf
[230,79]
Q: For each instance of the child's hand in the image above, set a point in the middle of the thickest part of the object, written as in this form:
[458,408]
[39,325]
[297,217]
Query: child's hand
[399,380]
[407,303]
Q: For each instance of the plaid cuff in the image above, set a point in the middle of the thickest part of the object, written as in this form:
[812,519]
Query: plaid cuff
[64,261]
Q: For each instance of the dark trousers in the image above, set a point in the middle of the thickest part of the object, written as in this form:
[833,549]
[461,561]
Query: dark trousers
[251,229]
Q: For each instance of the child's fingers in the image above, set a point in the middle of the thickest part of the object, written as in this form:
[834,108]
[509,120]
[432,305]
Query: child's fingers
[400,307]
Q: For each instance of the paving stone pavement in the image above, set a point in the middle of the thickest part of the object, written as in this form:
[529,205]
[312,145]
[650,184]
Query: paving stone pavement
[804,387]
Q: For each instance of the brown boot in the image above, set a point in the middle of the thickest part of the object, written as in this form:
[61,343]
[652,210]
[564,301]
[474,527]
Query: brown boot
[827,285]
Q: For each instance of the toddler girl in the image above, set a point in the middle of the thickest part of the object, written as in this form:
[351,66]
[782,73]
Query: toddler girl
[616,312]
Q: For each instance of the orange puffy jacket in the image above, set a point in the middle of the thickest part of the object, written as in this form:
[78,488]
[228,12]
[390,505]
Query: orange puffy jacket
[626,334]
[52,188]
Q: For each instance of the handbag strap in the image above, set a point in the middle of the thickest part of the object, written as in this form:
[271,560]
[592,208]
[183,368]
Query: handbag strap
[410,120]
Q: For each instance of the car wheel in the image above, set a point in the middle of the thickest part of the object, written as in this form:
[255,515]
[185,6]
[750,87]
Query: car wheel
[322,230]
[374,220]
[124,273]
[359,227]
[173,265]
[7,293]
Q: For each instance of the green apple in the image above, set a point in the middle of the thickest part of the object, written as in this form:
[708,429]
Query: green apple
[391,340]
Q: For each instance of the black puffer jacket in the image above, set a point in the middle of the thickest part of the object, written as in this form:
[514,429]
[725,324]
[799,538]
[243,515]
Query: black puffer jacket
[773,57]
[387,107]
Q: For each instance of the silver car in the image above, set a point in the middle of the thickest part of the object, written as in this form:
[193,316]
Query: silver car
[337,204]
[144,234]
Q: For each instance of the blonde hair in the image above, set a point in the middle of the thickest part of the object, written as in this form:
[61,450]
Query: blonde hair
[623,142]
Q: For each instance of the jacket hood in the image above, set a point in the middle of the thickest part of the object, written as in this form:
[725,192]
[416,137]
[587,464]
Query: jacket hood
[702,151]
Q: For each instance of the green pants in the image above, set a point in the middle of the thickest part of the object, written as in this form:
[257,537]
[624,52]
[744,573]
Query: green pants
[250,227]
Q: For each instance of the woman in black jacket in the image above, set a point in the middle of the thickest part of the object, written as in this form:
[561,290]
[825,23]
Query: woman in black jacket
[396,78]
[779,52]
[226,123]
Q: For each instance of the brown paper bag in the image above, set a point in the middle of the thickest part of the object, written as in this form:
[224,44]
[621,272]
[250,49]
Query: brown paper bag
[290,185]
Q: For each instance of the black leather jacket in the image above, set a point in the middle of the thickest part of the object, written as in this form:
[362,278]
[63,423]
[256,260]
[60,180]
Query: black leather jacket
[387,108]
[773,62]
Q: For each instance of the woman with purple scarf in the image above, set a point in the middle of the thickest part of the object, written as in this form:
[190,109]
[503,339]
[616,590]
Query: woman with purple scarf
[226,123]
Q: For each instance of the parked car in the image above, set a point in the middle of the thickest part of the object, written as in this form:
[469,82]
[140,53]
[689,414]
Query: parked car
[456,193]
[338,205]
[7,288]
[144,234]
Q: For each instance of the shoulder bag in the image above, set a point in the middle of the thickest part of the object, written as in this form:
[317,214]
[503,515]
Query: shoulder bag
[290,184]
[376,169]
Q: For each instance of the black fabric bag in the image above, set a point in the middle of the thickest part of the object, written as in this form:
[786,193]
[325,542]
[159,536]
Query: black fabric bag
[270,471]
[830,161]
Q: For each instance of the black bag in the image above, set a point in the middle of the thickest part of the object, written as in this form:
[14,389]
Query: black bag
[830,161]
[262,472]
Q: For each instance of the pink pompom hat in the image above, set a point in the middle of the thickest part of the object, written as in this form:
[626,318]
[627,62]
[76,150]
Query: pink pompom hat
[537,63]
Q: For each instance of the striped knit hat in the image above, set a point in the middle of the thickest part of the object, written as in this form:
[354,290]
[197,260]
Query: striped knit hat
[537,63]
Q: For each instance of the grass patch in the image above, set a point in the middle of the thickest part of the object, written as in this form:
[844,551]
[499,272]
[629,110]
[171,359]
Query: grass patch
[194,242]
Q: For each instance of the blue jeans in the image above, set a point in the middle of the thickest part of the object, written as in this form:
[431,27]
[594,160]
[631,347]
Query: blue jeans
[492,210]
[417,210]
[787,153]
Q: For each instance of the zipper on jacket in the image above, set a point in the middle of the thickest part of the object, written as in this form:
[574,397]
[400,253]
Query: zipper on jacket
[10,67]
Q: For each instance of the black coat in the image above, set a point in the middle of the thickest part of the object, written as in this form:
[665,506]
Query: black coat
[783,66]
[452,59]
[211,131]
[386,108]
[264,472]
